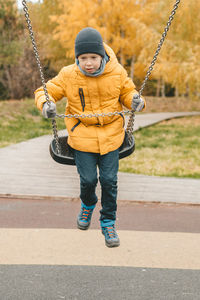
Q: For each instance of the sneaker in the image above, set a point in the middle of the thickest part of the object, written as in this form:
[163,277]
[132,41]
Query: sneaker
[84,217]
[111,237]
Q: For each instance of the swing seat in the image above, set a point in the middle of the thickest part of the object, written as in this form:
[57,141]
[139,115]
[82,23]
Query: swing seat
[66,155]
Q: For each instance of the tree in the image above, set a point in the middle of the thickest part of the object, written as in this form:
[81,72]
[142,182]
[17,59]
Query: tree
[178,62]
[122,31]
[51,51]
[132,28]
[10,46]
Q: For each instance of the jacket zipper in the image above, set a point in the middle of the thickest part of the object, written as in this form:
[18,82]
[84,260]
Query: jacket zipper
[83,107]
[82,97]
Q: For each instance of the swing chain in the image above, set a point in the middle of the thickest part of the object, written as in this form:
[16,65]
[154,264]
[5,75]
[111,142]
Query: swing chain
[55,134]
[96,115]
[164,34]
[130,125]
[25,8]
[27,17]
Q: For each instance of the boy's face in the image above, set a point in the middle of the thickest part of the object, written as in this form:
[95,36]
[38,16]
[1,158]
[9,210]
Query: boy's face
[90,62]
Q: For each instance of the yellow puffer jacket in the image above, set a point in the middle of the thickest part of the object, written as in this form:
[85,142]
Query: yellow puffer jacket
[89,95]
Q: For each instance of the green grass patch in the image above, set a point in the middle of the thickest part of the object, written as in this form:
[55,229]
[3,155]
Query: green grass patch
[21,120]
[170,148]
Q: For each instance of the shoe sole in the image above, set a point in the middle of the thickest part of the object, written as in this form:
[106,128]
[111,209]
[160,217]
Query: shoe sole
[82,227]
[112,245]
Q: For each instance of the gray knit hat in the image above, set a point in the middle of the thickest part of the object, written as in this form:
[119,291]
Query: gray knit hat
[89,40]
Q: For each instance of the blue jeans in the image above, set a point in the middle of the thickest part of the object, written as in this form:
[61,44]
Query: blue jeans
[108,165]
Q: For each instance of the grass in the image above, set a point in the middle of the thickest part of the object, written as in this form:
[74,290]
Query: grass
[170,148]
[21,120]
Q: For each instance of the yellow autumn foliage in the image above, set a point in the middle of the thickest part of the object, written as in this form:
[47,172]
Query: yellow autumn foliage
[133,28]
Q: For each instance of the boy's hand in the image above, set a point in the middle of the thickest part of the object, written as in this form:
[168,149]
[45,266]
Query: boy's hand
[49,110]
[137,103]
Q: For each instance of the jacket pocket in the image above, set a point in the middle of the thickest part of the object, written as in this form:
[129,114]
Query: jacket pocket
[82,97]
[72,129]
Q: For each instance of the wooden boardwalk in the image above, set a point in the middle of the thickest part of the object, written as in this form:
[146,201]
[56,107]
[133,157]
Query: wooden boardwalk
[26,169]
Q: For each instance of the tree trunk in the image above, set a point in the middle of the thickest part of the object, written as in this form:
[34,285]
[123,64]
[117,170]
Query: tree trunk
[158,88]
[10,85]
[187,90]
[163,88]
[121,49]
[121,58]
[176,92]
[132,67]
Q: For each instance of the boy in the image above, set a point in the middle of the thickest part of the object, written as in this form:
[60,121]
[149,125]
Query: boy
[96,83]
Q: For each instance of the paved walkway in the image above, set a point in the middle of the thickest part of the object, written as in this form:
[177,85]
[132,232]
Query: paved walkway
[27,169]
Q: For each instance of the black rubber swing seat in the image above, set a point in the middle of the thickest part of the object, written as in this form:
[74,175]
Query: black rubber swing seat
[66,155]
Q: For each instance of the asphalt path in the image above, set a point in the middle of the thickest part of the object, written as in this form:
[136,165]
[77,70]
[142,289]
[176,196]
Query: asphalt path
[89,283]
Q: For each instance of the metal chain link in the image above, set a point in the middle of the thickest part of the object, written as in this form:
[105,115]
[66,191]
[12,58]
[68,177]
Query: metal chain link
[31,34]
[130,124]
[55,134]
[166,29]
[25,8]
[96,115]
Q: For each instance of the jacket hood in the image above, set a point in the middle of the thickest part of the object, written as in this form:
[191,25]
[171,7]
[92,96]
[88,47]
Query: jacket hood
[111,64]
